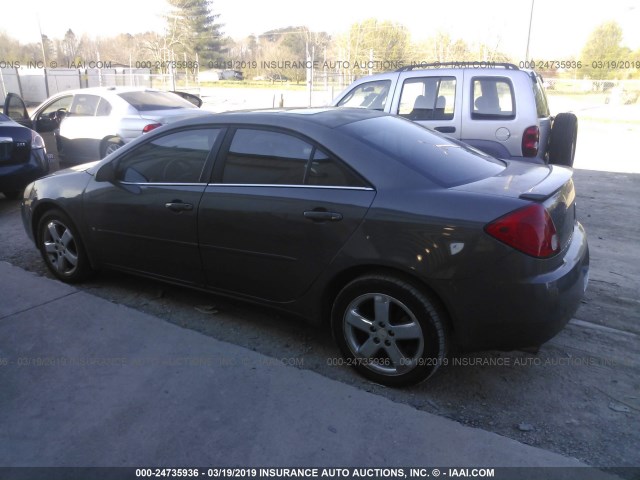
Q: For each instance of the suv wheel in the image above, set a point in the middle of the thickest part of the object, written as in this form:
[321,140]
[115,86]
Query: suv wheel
[564,135]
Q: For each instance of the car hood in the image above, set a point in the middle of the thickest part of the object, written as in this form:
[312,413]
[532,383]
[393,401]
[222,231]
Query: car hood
[170,116]
[75,169]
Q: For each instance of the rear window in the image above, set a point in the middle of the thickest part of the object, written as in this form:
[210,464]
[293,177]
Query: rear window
[443,160]
[145,101]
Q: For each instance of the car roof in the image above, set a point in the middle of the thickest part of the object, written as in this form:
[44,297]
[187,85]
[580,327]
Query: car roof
[330,117]
[106,90]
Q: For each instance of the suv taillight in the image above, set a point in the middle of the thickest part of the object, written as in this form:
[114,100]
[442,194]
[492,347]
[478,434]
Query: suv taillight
[151,126]
[530,139]
[529,229]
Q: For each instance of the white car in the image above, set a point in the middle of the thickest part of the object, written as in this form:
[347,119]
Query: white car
[90,123]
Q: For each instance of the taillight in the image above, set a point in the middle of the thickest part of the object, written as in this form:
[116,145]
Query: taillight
[529,229]
[151,126]
[530,139]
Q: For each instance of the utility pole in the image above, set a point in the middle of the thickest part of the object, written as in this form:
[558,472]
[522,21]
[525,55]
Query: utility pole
[526,57]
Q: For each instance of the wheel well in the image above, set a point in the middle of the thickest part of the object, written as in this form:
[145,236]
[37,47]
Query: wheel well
[45,207]
[346,276]
[106,140]
[38,213]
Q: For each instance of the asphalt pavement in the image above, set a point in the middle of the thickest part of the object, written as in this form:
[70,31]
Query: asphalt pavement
[89,383]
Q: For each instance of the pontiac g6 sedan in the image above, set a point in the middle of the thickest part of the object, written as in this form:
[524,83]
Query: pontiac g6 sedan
[400,240]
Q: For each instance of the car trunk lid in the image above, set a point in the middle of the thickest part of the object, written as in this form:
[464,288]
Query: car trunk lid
[15,143]
[550,185]
[173,115]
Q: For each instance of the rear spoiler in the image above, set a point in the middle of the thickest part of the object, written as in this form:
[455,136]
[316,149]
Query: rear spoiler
[556,179]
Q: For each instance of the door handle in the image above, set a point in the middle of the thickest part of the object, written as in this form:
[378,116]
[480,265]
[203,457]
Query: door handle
[322,216]
[178,206]
[445,129]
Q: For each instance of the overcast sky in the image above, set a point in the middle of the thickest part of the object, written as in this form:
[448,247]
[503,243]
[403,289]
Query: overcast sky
[559,28]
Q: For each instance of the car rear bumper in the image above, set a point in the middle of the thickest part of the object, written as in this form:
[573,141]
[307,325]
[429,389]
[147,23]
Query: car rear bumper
[15,176]
[524,313]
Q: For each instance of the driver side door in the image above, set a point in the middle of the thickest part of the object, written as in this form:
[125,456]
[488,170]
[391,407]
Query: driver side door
[145,219]
[47,120]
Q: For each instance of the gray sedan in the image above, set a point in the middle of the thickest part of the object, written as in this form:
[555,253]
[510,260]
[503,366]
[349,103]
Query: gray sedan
[402,241]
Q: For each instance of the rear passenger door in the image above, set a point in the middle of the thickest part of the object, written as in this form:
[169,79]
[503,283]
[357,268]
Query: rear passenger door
[433,99]
[278,210]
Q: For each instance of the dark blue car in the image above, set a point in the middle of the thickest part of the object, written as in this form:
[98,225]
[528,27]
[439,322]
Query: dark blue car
[23,156]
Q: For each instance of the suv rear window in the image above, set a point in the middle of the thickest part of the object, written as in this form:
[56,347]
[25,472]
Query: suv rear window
[444,161]
[542,107]
[145,101]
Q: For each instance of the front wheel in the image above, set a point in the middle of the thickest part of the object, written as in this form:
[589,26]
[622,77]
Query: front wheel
[61,247]
[389,330]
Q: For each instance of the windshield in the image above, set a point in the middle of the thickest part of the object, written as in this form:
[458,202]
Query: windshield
[443,160]
[146,101]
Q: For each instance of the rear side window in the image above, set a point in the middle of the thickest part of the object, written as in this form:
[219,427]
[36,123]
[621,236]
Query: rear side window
[371,95]
[493,99]
[263,157]
[428,98]
[444,161]
[84,105]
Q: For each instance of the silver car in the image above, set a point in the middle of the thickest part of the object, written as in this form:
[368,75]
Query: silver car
[90,123]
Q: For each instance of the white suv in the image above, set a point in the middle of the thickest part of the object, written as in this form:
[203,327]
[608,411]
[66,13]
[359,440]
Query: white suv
[494,107]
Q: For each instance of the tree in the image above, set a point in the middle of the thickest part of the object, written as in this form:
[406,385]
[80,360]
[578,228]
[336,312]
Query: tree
[68,48]
[194,27]
[372,45]
[603,45]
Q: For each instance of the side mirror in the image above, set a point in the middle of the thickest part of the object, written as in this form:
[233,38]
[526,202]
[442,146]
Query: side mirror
[106,173]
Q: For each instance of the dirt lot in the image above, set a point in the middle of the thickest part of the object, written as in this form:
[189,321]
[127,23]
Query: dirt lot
[579,396]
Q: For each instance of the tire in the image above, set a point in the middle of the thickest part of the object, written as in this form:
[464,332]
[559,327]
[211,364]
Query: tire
[13,194]
[111,146]
[370,315]
[61,247]
[564,135]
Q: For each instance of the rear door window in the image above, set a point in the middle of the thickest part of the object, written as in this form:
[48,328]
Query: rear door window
[493,99]
[428,98]
[264,157]
[371,95]
[84,105]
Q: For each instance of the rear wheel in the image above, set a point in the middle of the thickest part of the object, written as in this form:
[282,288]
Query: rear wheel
[390,331]
[111,146]
[564,136]
[61,247]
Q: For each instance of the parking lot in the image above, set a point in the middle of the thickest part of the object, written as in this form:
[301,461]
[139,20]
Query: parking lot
[579,396]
